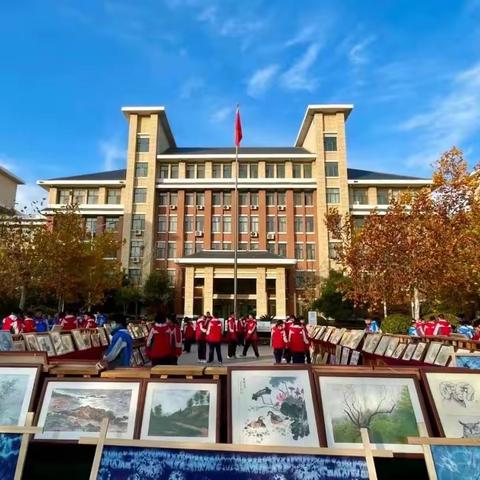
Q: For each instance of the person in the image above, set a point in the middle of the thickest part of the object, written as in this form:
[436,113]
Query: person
[308,356]
[68,322]
[297,341]
[100,318]
[41,323]
[240,329]
[214,339]
[7,323]
[232,336]
[251,337]
[29,323]
[278,341]
[176,342]
[420,326]
[17,325]
[287,354]
[89,321]
[442,326]
[465,328]
[188,334]
[119,353]
[371,326]
[160,342]
[200,337]
[476,330]
[412,329]
[430,326]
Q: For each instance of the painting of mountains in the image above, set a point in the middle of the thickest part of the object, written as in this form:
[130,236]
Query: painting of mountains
[177,411]
[71,410]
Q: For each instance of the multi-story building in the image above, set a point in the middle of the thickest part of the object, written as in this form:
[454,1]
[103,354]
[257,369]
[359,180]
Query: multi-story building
[8,188]
[174,208]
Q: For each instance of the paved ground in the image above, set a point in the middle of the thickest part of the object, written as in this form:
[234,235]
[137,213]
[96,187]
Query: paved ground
[266,357]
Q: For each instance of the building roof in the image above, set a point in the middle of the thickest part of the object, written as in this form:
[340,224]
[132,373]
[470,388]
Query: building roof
[11,176]
[100,176]
[356,174]
[231,150]
[252,257]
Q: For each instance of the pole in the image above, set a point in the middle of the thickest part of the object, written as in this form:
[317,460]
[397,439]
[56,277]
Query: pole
[235,236]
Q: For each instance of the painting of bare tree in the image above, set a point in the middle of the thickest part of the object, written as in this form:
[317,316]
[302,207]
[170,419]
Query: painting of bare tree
[388,408]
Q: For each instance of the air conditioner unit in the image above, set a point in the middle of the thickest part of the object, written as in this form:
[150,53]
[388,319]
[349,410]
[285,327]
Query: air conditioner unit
[253,207]
[270,236]
[281,208]
[227,207]
[254,234]
[135,260]
[173,207]
[138,233]
[200,207]
[199,233]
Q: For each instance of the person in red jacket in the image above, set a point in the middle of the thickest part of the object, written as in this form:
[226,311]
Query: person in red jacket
[240,327]
[29,323]
[279,341]
[176,342]
[442,326]
[68,322]
[18,325]
[420,326]
[297,341]
[287,354]
[476,330]
[430,326]
[89,321]
[232,336]
[308,356]
[251,337]
[200,336]
[214,339]
[8,322]
[188,334]
[160,342]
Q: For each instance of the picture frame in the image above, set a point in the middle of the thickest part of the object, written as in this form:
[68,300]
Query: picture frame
[45,344]
[401,347]
[57,343]
[338,354]
[356,336]
[6,341]
[31,342]
[444,355]
[419,351]
[66,403]
[392,345]
[102,335]
[78,339]
[95,338]
[320,331]
[328,333]
[253,392]
[432,352]
[197,399]
[67,342]
[467,359]
[409,351]
[19,346]
[371,342]
[354,357]
[87,338]
[137,359]
[395,397]
[382,345]
[345,338]
[455,462]
[345,356]
[337,335]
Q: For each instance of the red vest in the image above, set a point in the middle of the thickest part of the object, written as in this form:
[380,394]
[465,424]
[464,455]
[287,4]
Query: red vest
[200,330]
[232,329]
[90,323]
[188,331]
[214,331]
[297,339]
[430,327]
[160,341]
[8,322]
[420,327]
[252,330]
[239,326]
[69,322]
[29,325]
[278,337]
[18,326]
[288,325]
[176,341]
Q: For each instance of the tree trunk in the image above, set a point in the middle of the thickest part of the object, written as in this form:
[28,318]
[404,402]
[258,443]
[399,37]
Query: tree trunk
[61,303]
[23,298]
[385,313]
[416,304]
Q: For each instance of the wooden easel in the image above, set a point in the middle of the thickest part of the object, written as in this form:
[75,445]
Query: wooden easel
[367,452]
[25,432]
[426,442]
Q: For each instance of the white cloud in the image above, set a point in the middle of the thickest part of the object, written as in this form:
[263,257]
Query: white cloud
[357,54]
[451,120]
[208,15]
[237,27]
[190,87]
[298,77]
[113,154]
[261,79]
[221,114]
[302,36]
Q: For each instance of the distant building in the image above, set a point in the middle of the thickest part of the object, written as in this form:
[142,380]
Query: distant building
[173,206]
[8,188]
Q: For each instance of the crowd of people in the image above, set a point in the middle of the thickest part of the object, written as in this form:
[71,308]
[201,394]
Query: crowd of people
[440,326]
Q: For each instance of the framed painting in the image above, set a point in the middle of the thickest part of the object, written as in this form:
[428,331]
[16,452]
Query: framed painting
[345,356]
[337,335]
[356,336]
[31,342]
[399,350]
[409,351]
[9,454]
[456,462]
[137,359]
[19,346]
[390,406]
[328,333]
[145,330]
[345,338]
[87,339]
[6,341]
[432,352]
[320,331]
[70,409]
[355,357]
[444,355]
[338,354]
[419,351]
[272,406]
[67,342]
[181,411]
[17,388]
[57,343]
[79,339]
[392,345]
[45,344]
[371,342]
[382,345]
[95,340]
[102,335]
[467,359]
[143,353]
[455,398]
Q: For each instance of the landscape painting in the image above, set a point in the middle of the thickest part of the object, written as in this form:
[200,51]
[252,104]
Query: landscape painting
[180,411]
[9,452]
[127,463]
[456,462]
[6,342]
[17,386]
[389,408]
[72,409]
[456,397]
[272,407]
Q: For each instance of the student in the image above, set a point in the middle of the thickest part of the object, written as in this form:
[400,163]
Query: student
[7,323]
[371,326]
[297,341]
[465,328]
[176,342]
[188,334]
[68,322]
[200,337]
[412,329]
[160,342]
[430,326]
[17,325]
[240,329]
[214,339]
[251,337]
[29,323]
[90,321]
[308,356]
[278,341]
[442,326]
[119,353]
[420,326]
[476,330]
[287,354]
[100,318]
[232,336]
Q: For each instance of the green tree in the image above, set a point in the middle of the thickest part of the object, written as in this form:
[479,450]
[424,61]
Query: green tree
[157,291]
[126,296]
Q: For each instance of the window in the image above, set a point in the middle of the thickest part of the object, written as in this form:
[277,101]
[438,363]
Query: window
[307,170]
[139,195]
[189,198]
[280,170]
[111,224]
[222,170]
[333,195]
[254,198]
[136,249]
[227,170]
[217,170]
[138,221]
[281,198]
[298,224]
[172,250]
[162,199]
[143,144]
[282,249]
[254,224]
[172,223]
[216,199]
[242,170]
[227,224]
[173,198]
[163,171]
[91,226]
[92,196]
[216,223]
[134,275]
[141,169]
[201,170]
[271,224]
[254,246]
[331,169]
[332,252]
[113,196]
[188,223]
[198,247]
[299,279]
[216,245]
[190,170]
[200,199]
[330,143]
[298,251]
[187,248]
[243,198]
[226,246]
[243,246]
[160,250]
[243,224]
[297,170]
[253,170]
[248,170]
[162,223]
[310,251]
[199,222]
[308,199]
[270,170]
[174,171]
[309,226]
[382,196]
[171,274]
[282,224]
[298,198]
[64,196]
[360,196]
[271,247]
[270,199]
[227,198]
[358,222]
[79,196]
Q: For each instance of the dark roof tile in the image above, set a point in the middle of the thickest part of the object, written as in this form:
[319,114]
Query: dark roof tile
[356,174]
[231,150]
[112,175]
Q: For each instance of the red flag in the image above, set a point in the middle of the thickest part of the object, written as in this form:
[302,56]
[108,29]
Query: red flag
[238,128]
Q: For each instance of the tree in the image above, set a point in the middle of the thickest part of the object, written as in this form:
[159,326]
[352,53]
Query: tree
[156,290]
[126,295]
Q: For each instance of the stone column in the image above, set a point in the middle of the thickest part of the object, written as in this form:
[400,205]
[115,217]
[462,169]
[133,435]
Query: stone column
[280,286]
[189,291]
[262,306]
[208,290]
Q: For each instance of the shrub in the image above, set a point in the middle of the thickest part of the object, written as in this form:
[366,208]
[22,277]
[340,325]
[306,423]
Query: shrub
[397,323]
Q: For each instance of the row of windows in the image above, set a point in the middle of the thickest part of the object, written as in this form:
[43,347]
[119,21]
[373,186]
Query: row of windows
[111,225]
[384,195]
[88,196]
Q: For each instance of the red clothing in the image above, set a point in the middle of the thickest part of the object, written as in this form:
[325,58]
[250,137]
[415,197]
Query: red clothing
[8,322]
[214,331]
[200,329]
[69,322]
[430,327]
[279,339]
[176,341]
[160,342]
[297,339]
[239,326]
[29,325]
[232,329]
[188,331]
[252,330]
[90,323]
[18,326]
[288,324]
[420,328]
[443,328]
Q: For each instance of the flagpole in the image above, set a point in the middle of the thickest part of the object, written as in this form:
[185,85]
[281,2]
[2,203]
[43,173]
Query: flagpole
[235,236]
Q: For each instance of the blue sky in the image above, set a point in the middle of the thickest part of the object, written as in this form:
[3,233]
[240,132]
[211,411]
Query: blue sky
[411,68]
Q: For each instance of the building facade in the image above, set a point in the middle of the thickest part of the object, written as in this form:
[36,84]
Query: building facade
[8,188]
[173,207]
